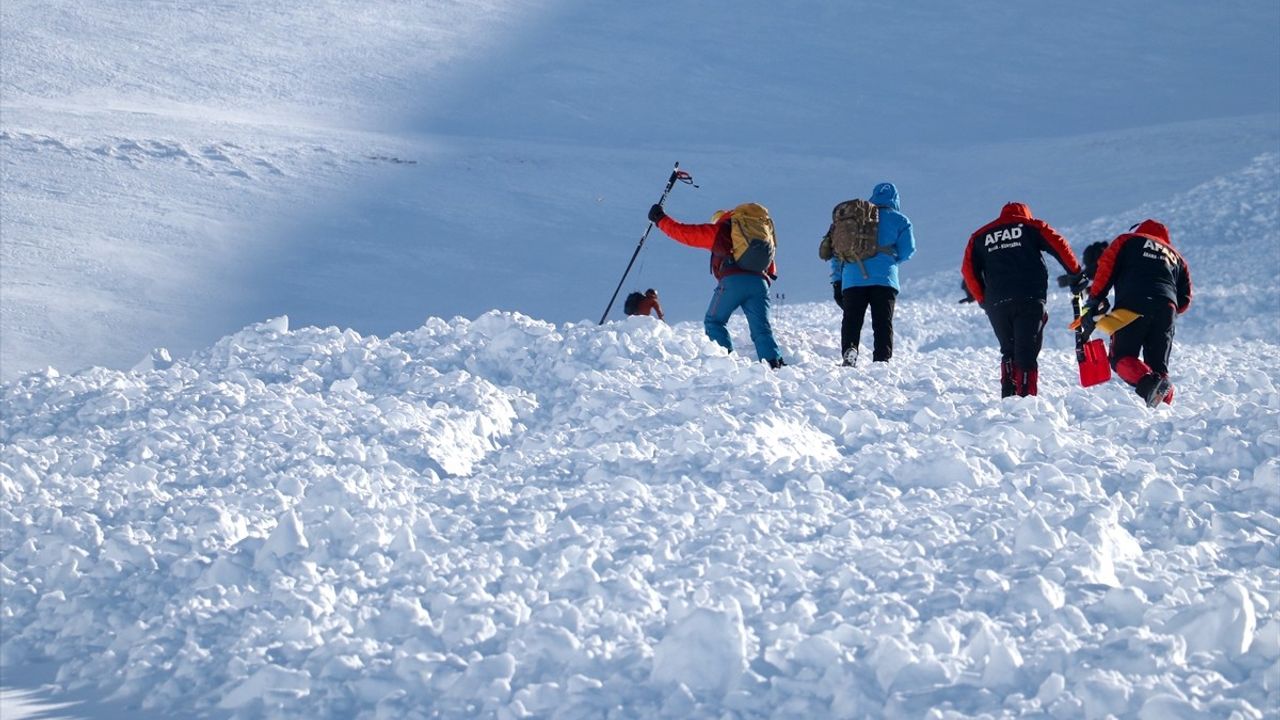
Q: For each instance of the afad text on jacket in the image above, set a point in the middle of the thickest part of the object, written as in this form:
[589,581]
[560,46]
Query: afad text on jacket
[1003,260]
[1145,270]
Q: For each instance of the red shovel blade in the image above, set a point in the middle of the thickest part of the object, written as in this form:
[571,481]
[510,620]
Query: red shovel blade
[1094,367]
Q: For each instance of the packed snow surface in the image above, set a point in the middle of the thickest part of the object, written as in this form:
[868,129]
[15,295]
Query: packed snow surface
[505,517]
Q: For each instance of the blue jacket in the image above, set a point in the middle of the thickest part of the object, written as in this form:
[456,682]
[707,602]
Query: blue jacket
[895,230]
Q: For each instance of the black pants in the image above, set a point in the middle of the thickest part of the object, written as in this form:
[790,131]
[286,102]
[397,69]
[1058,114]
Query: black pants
[881,299]
[1019,326]
[1151,335]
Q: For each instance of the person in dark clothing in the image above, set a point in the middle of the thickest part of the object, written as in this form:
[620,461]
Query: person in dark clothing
[736,288]
[1005,272]
[1089,263]
[646,304]
[1151,279]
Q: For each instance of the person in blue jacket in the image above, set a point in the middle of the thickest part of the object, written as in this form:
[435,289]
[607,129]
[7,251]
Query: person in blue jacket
[878,287]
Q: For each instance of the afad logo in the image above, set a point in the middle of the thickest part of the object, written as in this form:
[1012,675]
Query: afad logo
[1159,251]
[999,236]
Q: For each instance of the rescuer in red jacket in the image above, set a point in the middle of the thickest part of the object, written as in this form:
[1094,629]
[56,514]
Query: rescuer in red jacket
[1151,279]
[736,288]
[1005,272]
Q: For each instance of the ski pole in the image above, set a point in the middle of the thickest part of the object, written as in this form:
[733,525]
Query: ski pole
[676,174]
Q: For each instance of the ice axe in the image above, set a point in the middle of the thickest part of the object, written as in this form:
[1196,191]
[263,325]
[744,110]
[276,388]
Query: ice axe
[677,175]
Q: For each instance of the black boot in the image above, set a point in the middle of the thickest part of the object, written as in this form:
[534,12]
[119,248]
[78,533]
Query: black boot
[1152,388]
[1027,381]
[776,363]
[850,357]
[1007,388]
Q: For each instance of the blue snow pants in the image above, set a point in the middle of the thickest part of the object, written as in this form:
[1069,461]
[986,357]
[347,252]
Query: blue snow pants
[751,293]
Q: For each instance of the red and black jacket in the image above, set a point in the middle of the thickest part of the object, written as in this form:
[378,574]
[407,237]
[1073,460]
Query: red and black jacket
[1003,259]
[1144,269]
[716,237]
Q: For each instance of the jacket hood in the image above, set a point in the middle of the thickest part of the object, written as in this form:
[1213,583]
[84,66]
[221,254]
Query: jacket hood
[1015,211]
[885,195]
[1153,229]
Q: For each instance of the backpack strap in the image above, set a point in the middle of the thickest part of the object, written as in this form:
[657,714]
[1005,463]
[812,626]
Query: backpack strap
[890,250]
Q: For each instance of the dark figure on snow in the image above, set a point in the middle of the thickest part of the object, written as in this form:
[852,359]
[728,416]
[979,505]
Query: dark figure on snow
[643,304]
[1152,280]
[873,282]
[1004,270]
[1089,261]
[738,286]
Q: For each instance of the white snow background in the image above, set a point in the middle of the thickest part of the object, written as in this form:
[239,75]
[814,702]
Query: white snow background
[517,513]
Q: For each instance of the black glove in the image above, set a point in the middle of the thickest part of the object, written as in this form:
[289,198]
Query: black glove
[656,213]
[839,293]
[1091,313]
[1088,322]
[1078,282]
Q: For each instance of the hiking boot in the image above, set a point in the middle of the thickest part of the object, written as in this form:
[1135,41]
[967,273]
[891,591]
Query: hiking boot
[776,363]
[1026,381]
[1153,388]
[1007,387]
[850,358]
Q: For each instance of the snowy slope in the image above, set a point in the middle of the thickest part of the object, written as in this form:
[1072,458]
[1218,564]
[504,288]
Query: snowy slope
[506,517]
[173,171]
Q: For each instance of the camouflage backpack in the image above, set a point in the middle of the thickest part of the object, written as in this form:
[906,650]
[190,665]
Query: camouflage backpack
[854,234]
[754,243]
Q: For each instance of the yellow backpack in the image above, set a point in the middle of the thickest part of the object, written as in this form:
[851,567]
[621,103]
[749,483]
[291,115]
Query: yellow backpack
[754,243]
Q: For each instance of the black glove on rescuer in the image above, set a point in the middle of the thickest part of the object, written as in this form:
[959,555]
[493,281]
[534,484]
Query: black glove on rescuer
[1078,282]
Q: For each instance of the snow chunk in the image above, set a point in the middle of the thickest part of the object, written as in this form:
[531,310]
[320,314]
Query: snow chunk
[1106,545]
[1225,622]
[157,359]
[944,468]
[1168,707]
[1161,490]
[995,654]
[286,539]
[1035,534]
[271,682]
[706,650]
[345,385]
[279,325]
[1041,594]
[1266,476]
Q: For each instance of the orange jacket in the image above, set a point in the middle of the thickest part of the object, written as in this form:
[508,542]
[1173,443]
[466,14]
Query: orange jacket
[716,237]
